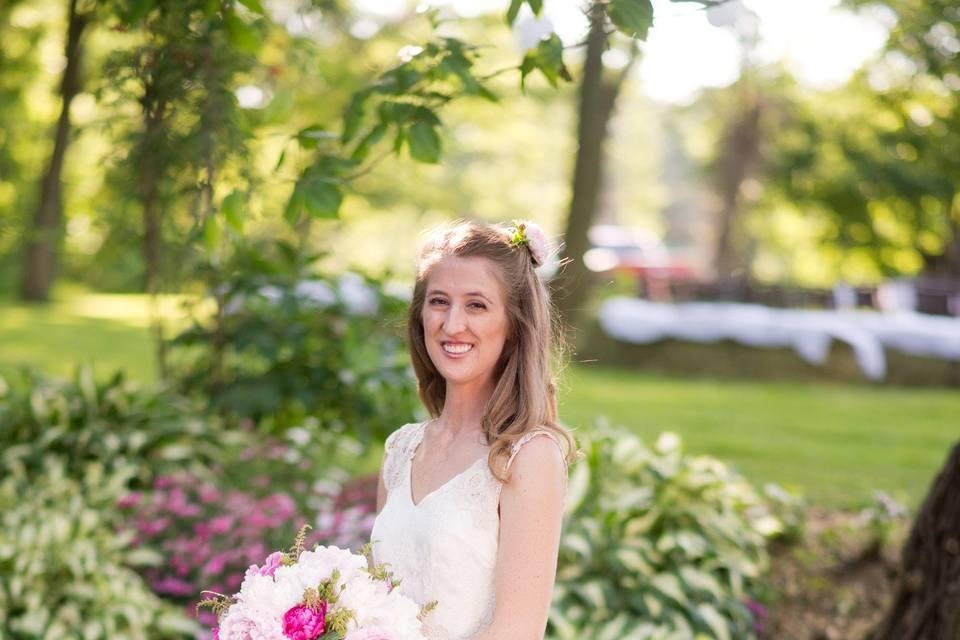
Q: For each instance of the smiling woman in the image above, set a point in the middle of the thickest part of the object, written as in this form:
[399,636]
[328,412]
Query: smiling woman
[470,502]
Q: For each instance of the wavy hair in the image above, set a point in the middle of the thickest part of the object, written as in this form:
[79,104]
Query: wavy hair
[524,396]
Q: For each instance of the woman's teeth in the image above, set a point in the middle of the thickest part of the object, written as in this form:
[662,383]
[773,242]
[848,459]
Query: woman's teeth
[457,348]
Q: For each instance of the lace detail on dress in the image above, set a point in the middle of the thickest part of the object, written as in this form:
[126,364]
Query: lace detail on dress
[397,447]
[527,437]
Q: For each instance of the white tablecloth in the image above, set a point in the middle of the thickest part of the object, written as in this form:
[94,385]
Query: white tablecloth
[809,332]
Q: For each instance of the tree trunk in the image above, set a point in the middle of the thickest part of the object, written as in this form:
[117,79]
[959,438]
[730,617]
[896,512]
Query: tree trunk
[43,237]
[597,100]
[150,174]
[740,150]
[927,602]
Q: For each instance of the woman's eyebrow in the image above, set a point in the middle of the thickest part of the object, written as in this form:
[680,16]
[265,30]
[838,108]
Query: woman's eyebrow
[470,293]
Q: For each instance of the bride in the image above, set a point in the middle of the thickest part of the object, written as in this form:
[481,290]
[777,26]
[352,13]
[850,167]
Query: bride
[470,502]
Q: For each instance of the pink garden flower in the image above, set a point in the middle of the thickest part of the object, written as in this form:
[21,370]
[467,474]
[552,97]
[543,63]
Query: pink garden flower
[304,623]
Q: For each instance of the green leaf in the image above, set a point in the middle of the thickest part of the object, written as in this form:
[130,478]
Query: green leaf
[242,35]
[211,233]
[291,212]
[310,137]
[232,208]
[715,620]
[137,9]
[424,142]
[321,198]
[353,115]
[253,5]
[548,59]
[513,10]
[632,17]
[368,141]
[396,112]
[536,5]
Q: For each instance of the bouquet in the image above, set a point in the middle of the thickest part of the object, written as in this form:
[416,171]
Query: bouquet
[326,593]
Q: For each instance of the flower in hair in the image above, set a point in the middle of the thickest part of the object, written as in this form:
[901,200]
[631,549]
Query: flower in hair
[525,232]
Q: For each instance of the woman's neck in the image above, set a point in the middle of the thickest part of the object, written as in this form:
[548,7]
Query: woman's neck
[463,409]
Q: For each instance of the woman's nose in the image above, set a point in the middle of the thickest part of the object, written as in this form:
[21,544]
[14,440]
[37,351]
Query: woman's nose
[455,321]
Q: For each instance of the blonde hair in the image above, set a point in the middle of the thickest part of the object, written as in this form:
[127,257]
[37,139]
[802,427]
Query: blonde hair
[524,396]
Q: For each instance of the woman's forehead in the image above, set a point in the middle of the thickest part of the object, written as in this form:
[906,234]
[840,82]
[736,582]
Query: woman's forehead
[458,275]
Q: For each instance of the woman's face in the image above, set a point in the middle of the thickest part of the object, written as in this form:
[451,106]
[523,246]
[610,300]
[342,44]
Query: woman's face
[464,319]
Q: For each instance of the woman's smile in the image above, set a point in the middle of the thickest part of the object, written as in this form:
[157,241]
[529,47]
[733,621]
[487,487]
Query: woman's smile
[456,349]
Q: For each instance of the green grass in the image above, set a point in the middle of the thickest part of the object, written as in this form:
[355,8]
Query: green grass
[109,331]
[836,443]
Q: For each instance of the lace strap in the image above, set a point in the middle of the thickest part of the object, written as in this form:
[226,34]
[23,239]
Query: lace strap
[527,437]
[397,448]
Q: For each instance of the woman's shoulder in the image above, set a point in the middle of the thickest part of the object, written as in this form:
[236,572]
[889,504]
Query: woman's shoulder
[401,436]
[531,452]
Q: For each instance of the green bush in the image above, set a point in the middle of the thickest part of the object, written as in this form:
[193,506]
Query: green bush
[115,423]
[292,342]
[65,566]
[658,544]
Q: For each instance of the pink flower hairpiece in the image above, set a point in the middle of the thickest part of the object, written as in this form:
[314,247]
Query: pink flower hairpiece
[530,234]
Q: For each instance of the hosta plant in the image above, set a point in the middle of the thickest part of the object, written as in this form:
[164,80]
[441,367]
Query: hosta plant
[66,562]
[658,544]
[114,422]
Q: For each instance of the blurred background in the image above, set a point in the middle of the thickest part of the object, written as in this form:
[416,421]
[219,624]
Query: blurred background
[208,218]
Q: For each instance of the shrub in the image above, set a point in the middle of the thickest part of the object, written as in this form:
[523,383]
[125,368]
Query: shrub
[115,423]
[64,565]
[292,342]
[658,544]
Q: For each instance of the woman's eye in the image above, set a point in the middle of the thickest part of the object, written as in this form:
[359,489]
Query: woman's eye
[480,305]
[436,300]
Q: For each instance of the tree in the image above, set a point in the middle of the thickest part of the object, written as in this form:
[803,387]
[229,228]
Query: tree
[44,235]
[926,605]
[598,97]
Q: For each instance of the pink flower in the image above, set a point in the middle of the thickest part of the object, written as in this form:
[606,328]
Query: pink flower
[304,623]
[539,244]
[130,500]
[269,567]
[216,633]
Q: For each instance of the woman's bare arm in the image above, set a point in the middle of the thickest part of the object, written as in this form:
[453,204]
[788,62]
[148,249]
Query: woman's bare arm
[531,516]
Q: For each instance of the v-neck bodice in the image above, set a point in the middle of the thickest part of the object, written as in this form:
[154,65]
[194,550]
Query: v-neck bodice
[417,439]
[443,548]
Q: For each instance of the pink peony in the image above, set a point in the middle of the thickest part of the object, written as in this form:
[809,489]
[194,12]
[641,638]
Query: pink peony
[304,623]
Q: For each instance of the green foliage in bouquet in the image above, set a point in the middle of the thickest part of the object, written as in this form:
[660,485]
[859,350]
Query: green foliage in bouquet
[65,565]
[658,544]
[116,423]
[290,342]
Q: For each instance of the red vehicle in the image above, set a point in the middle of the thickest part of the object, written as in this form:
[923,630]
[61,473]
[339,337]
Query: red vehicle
[635,251]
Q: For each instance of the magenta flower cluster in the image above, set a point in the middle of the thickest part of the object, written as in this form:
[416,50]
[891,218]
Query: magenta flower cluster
[759,613]
[210,536]
[304,623]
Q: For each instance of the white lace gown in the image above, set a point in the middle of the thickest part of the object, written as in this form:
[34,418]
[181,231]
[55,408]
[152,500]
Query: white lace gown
[445,547]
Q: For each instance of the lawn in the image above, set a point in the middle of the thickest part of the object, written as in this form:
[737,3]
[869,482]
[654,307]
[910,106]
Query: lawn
[835,443]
